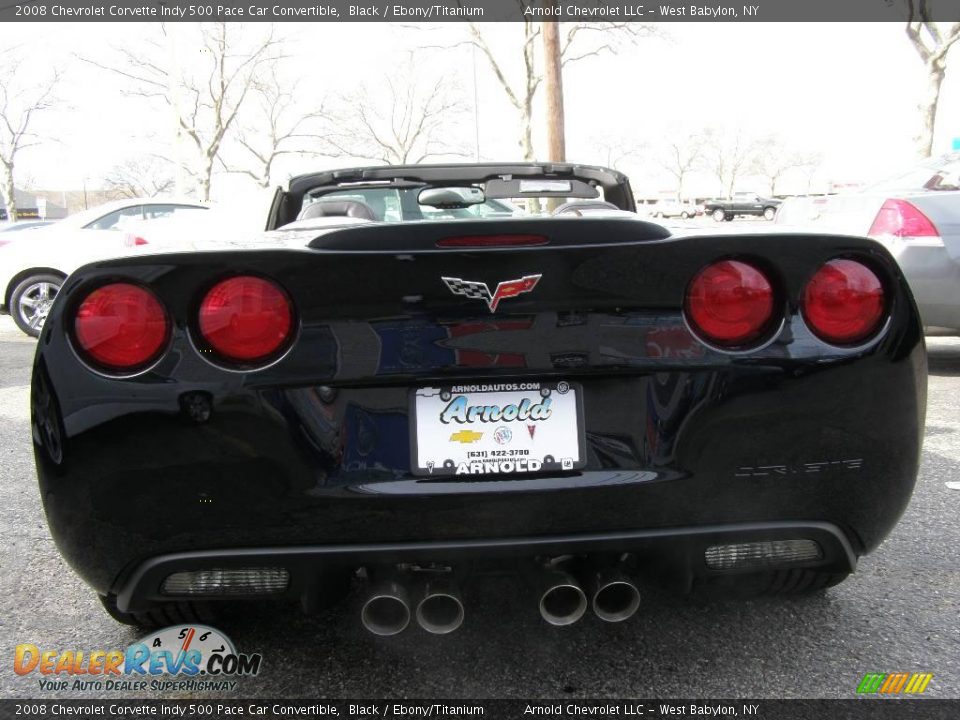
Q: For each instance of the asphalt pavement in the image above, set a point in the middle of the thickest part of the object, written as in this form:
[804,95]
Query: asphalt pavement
[899,612]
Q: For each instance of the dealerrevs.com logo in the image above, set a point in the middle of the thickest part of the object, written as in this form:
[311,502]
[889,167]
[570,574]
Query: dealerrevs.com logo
[177,658]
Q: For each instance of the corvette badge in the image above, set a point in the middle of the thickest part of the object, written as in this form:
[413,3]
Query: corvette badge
[480,290]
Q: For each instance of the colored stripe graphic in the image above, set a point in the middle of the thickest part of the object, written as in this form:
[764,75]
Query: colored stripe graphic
[871,683]
[923,679]
[894,683]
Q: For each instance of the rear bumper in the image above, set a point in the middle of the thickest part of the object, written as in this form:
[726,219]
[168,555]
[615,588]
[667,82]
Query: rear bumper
[934,278]
[281,469]
[674,552]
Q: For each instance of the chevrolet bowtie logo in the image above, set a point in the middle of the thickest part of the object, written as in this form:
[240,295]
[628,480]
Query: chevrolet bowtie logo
[466,436]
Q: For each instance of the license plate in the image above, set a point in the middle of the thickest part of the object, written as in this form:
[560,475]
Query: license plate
[497,429]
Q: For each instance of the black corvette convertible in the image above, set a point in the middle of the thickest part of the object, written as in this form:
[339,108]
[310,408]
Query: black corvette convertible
[419,375]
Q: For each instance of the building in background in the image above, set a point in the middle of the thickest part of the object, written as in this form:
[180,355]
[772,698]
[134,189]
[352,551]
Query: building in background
[36,206]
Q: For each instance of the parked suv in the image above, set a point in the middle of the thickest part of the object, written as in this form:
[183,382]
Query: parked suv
[742,204]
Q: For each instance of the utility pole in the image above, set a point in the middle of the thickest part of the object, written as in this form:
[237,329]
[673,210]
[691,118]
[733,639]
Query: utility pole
[553,86]
[476,104]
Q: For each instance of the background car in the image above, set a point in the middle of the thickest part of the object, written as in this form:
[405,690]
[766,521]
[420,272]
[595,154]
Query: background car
[33,269]
[673,208]
[7,228]
[916,215]
[742,203]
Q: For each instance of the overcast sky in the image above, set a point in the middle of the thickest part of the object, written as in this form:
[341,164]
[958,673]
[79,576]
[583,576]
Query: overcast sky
[845,90]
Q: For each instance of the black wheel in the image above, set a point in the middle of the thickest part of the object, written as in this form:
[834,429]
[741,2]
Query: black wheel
[769,213]
[31,300]
[728,218]
[719,215]
[172,613]
[798,581]
[684,215]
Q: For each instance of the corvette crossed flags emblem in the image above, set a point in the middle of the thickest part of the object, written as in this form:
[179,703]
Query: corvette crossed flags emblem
[480,290]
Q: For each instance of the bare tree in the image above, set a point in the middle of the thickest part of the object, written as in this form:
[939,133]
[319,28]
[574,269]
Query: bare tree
[147,176]
[23,96]
[932,41]
[590,39]
[277,127]
[810,172]
[400,123]
[773,159]
[612,149]
[521,97]
[728,155]
[206,98]
[580,40]
[681,155]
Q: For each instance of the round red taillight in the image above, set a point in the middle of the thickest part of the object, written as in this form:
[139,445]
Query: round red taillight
[246,318]
[844,302]
[730,303]
[121,327]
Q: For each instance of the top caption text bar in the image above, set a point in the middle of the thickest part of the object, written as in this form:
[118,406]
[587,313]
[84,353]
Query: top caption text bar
[424,11]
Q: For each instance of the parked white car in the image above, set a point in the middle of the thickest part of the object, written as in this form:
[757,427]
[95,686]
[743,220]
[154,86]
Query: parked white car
[7,228]
[673,208]
[34,266]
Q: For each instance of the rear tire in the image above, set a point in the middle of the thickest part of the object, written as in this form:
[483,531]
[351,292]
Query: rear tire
[31,299]
[684,215]
[769,213]
[719,215]
[172,613]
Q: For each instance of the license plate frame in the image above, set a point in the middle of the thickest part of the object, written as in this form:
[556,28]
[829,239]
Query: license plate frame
[565,397]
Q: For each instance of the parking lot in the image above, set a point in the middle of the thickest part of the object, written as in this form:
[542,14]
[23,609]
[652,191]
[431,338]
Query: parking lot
[899,612]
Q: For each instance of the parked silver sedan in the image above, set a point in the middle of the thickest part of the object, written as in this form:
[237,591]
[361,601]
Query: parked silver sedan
[917,216]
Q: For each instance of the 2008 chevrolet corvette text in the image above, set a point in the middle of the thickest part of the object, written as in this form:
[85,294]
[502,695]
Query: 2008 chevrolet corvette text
[417,376]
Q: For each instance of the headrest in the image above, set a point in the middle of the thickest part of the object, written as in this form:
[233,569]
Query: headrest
[575,206]
[340,208]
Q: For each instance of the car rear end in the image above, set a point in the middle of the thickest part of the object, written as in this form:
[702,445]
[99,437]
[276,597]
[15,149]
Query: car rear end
[920,229]
[573,398]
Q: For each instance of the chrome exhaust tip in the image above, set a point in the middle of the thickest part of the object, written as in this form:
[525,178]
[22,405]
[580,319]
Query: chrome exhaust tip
[387,609]
[563,601]
[615,596]
[441,609]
